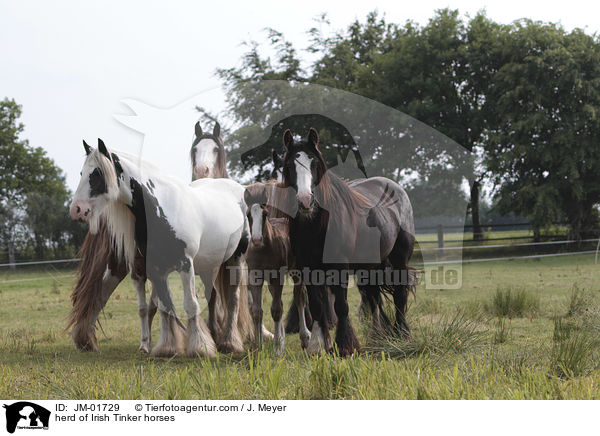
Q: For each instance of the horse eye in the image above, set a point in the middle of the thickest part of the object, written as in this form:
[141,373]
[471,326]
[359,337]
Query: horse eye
[297,155]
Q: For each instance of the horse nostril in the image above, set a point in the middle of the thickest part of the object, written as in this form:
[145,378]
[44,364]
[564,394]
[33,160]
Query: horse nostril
[86,212]
[78,209]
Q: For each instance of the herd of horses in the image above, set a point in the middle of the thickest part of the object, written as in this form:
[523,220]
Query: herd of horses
[149,224]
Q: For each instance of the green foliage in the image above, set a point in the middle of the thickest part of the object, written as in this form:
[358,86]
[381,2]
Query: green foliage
[543,149]
[579,302]
[446,334]
[512,303]
[574,356]
[521,98]
[33,193]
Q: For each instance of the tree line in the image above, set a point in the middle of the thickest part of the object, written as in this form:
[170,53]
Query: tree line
[521,98]
[34,219]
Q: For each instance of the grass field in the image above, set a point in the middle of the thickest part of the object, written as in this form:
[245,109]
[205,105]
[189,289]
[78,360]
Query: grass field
[516,330]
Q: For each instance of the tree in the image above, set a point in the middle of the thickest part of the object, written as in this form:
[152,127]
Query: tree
[544,152]
[33,193]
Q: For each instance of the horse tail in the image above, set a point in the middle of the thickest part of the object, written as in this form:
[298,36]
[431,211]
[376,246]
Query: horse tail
[95,254]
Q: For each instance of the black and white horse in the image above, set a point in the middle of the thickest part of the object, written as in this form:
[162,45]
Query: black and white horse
[340,228]
[192,229]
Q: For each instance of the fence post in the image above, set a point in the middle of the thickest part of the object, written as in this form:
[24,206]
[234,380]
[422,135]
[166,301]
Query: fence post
[440,237]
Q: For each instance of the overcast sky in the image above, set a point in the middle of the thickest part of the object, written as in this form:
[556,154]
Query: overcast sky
[70,64]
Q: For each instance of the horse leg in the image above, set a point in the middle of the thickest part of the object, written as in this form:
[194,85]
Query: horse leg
[398,259]
[199,340]
[345,338]
[276,289]
[319,338]
[331,316]
[300,298]
[140,288]
[257,311]
[292,319]
[152,308]
[138,277]
[170,341]
[232,341]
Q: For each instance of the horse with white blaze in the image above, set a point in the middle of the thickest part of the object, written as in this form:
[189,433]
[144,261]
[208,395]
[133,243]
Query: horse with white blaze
[192,229]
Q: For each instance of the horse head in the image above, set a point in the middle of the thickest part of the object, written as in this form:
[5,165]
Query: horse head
[99,185]
[208,154]
[303,168]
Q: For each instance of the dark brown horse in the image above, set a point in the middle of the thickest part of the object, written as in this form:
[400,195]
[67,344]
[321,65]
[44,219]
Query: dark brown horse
[268,257]
[100,270]
[336,229]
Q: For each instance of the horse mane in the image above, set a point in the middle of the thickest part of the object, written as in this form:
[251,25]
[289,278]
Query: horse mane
[87,296]
[120,221]
[337,195]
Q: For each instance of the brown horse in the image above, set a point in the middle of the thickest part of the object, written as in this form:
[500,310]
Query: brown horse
[101,270]
[268,257]
[337,229]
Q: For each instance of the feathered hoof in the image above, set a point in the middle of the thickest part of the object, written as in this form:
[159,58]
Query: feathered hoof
[266,333]
[164,351]
[304,340]
[201,353]
[230,347]
[85,343]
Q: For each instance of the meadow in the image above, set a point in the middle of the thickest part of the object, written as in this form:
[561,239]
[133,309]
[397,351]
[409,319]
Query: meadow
[522,329]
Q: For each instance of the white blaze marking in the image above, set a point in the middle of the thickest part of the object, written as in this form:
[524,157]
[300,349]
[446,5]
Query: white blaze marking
[303,174]
[257,215]
[205,155]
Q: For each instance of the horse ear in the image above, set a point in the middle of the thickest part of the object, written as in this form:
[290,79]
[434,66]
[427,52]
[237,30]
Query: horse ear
[102,149]
[217,130]
[247,197]
[198,129]
[87,148]
[313,137]
[288,139]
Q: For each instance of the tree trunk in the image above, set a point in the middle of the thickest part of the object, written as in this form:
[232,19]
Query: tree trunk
[476,220]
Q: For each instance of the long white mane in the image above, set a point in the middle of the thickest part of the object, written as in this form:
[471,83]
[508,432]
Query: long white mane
[120,221]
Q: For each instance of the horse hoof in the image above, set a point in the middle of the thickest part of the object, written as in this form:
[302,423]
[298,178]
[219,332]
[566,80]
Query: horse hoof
[267,334]
[143,349]
[200,353]
[163,352]
[230,348]
[86,347]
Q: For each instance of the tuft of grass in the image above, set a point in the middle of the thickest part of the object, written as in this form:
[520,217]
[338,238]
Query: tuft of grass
[447,334]
[502,331]
[563,329]
[574,356]
[513,303]
[579,302]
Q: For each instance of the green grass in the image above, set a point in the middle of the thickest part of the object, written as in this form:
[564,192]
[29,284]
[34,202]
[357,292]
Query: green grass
[463,346]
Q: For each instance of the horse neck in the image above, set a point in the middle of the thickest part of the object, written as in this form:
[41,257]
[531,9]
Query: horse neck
[276,241]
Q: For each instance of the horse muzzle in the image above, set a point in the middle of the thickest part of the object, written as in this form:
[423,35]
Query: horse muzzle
[201,171]
[305,203]
[81,211]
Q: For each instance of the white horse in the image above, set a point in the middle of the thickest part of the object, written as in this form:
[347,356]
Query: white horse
[192,229]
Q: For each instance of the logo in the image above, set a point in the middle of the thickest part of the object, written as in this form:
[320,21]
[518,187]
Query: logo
[26,415]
